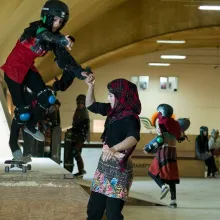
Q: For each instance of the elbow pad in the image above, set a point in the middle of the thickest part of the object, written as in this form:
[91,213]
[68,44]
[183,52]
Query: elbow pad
[44,35]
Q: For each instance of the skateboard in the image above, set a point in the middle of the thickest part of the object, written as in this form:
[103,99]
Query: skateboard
[68,151]
[79,176]
[19,164]
[56,144]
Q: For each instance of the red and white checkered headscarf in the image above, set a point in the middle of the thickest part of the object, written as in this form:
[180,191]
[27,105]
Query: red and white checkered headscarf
[127,100]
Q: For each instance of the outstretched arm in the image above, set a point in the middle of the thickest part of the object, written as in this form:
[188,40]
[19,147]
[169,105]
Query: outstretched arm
[66,62]
[90,96]
[64,83]
[70,68]
[91,104]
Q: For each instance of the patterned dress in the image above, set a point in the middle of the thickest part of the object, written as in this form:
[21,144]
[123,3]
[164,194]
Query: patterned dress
[110,180]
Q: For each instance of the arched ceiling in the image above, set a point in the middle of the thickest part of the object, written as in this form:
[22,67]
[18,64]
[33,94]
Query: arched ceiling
[15,15]
[109,30]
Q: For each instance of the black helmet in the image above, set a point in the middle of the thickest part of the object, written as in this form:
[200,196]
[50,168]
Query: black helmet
[54,8]
[203,128]
[81,98]
[165,109]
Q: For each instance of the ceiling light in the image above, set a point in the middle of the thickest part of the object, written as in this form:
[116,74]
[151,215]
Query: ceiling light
[177,57]
[158,64]
[171,41]
[209,7]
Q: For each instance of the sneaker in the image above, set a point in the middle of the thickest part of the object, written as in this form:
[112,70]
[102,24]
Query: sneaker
[18,156]
[80,174]
[36,134]
[164,192]
[26,159]
[211,176]
[173,205]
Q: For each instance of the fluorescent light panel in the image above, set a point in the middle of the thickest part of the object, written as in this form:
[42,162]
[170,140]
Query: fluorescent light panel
[158,64]
[209,7]
[171,41]
[177,57]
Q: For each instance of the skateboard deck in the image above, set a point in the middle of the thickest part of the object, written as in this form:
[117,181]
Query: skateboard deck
[79,176]
[17,163]
[68,151]
[56,144]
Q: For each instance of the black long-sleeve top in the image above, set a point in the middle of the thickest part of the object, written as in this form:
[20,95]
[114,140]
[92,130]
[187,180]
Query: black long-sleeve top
[118,130]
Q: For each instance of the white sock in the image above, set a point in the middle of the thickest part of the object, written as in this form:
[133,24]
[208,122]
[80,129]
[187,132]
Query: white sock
[173,201]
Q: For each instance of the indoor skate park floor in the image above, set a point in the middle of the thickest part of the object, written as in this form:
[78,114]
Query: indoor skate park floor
[197,199]
[44,193]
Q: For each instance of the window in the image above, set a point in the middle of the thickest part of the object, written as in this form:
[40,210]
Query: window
[169,83]
[163,83]
[142,82]
[98,126]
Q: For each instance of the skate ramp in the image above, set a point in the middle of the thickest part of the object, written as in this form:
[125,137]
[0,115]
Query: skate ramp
[134,199]
[48,191]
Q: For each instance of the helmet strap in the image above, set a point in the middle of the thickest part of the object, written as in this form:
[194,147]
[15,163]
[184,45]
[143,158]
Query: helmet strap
[44,19]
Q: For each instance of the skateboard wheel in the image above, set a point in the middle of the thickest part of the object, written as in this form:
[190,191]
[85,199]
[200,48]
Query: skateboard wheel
[24,169]
[7,169]
[29,167]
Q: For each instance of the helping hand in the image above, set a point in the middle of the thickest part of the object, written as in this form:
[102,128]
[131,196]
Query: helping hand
[87,72]
[90,80]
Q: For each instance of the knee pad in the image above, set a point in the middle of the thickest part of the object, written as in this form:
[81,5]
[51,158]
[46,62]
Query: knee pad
[46,98]
[22,114]
[52,99]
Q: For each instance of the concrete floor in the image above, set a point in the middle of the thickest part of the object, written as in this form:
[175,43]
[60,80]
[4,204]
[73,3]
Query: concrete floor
[198,199]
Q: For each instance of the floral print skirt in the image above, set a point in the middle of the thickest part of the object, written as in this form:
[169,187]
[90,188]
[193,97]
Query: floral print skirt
[111,181]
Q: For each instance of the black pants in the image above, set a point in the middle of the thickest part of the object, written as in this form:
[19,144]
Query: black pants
[160,183]
[98,203]
[210,163]
[35,82]
[32,147]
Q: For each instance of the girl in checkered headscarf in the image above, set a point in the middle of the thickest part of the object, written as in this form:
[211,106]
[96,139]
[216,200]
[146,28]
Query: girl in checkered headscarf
[126,99]
[126,103]
[114,174]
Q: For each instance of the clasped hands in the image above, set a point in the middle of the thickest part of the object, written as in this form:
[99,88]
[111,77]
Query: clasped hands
[108,153]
